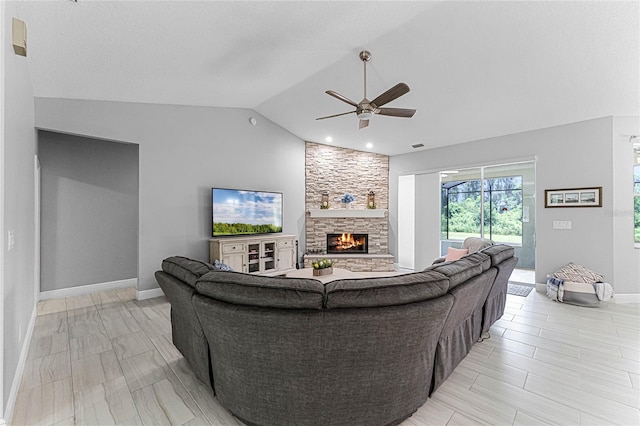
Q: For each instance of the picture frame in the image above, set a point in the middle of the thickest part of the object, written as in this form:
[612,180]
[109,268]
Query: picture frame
[573,197]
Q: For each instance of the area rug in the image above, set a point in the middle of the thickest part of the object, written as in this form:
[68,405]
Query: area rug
[519,289]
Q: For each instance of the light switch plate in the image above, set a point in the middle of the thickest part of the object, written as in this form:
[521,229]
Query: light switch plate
[19,36]
[561,224]
[11,240]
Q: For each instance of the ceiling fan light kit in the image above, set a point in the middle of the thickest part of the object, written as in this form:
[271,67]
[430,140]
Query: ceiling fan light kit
[364,115]
[366,108]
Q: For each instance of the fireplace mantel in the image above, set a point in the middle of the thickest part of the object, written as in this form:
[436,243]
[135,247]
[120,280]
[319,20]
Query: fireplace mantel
[337,213]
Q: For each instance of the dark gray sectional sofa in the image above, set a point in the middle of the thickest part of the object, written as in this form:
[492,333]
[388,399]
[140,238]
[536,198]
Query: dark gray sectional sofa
[288,351]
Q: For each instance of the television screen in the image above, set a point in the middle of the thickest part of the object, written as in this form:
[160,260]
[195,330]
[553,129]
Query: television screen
[238,212]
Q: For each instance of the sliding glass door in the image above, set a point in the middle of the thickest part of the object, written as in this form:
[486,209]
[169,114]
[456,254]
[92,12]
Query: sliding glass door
[494,202]
[461,210]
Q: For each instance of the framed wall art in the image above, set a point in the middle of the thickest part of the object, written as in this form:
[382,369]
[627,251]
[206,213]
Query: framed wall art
[573,197]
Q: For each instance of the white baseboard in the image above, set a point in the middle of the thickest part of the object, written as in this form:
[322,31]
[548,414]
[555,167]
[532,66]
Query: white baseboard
[87,289]
[149,294]
[17,377]
[627,298]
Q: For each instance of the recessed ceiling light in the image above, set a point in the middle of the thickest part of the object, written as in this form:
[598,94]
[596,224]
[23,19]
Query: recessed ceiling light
[328,139]
[369,145]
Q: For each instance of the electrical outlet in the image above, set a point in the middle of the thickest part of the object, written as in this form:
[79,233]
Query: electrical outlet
[561,224]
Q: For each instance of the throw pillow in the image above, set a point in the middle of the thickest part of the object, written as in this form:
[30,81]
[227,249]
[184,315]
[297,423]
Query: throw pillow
[219,266]
[578,274]
[455,254]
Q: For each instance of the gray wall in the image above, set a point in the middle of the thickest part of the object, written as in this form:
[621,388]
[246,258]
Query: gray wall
[572,155]
[184,151]
[89,211]
[18,149]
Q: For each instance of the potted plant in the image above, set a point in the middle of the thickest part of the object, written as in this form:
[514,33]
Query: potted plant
[347,199]
[322,267]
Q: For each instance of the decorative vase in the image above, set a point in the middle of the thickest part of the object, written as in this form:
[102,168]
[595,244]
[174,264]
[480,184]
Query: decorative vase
[323,271]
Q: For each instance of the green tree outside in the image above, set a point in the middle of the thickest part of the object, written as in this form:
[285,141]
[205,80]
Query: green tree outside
[502,209]
[220,228]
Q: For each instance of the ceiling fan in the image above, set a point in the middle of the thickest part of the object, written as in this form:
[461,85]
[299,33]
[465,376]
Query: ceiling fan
[366,108]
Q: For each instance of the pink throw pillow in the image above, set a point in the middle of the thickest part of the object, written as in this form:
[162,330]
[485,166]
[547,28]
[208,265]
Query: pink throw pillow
[455,254]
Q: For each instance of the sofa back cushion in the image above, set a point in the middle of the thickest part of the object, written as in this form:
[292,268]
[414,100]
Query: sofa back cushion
[499,253]
[185,269]
[458,271]
[475,244]
[481,258]
[385,291]
[256,290]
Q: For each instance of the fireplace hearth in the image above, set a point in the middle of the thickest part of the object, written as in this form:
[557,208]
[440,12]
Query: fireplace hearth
[347,243]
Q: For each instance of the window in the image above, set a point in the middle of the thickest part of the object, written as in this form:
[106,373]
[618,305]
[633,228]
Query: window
[503,211]
[636,195]
[461,210]
[500,199]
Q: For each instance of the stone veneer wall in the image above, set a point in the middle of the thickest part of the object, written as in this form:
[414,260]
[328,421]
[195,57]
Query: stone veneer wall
[339,170]
[318,227]
[382,263]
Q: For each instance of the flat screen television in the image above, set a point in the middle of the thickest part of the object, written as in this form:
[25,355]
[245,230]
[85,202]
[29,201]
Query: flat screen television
[241,212]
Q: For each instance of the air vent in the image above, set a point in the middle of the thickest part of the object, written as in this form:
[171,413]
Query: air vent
[418,145]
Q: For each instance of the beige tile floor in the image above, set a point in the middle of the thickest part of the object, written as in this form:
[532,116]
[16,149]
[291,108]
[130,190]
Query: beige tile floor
[526,276]
[107,359]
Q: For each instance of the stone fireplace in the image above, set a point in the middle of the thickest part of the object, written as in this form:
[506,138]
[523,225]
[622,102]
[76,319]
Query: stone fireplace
[325,173]
[347,243]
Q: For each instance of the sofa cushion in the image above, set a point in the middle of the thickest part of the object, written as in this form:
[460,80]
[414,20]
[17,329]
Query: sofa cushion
[498,253]
[475,244]
[219,266]
[455,254]
[185,269]
[385,291]
[256,290]
[458,271]
[481,258]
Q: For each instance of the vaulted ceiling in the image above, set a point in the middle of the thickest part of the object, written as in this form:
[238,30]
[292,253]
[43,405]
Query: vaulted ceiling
[476,69]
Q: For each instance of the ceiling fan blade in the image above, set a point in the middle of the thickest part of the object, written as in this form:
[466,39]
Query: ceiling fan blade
[396,112]
[394,93]
[335,115]
[363,123]
[342,98]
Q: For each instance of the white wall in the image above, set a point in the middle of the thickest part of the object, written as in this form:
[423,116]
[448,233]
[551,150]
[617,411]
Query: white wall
[568,156]
[624,256]
[406,221]
[89,206]
[184,151]
[18,292]
[427,242]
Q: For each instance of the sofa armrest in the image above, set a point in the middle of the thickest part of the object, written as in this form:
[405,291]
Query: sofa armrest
[438,260]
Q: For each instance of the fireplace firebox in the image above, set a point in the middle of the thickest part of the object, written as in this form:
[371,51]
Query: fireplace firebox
[347,243]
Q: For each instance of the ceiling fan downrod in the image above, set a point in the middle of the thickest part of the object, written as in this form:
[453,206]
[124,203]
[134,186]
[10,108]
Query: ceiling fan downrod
[365,56]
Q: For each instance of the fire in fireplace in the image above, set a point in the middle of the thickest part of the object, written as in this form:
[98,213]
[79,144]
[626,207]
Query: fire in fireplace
[347,243]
